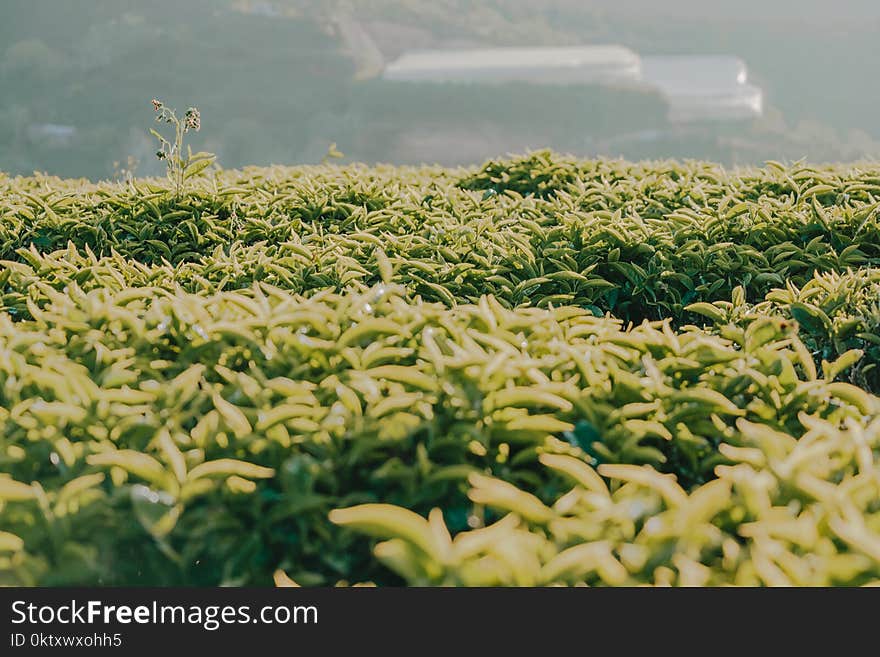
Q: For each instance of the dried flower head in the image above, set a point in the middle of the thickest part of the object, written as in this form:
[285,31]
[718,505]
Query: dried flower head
[193,119]
[157,104]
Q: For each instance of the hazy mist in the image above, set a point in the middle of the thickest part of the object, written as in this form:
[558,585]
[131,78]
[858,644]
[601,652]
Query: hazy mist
[280,81]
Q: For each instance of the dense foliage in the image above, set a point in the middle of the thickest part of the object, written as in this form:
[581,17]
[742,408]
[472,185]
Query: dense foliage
[190,384]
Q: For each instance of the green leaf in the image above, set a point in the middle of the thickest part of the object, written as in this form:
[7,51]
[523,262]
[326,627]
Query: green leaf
[195,168]
[229,467]
[707,310]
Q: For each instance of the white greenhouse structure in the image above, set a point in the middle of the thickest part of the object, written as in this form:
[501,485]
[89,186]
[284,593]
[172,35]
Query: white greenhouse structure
[555,65]
[703,87]
[695,87]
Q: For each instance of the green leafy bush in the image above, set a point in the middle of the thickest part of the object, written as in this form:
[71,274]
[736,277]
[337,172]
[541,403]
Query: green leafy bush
[838,314]
[641,241]
[190,383]
[202,439]
[786,513]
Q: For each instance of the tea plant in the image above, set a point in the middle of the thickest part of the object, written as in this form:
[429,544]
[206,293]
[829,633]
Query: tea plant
[220,430]
[208,386]
[783,513]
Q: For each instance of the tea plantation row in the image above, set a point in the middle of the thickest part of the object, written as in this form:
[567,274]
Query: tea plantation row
[593,372]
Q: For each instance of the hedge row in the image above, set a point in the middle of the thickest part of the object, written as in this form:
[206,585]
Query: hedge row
[256,379]
[836,312]
[638,240]
[153,437]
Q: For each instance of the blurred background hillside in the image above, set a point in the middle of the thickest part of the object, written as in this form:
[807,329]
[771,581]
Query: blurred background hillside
[278,82]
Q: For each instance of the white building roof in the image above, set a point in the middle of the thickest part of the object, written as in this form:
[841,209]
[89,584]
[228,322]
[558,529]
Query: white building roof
[695,87]
[543,64]
[703,87]
[747,102]
[694,73]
